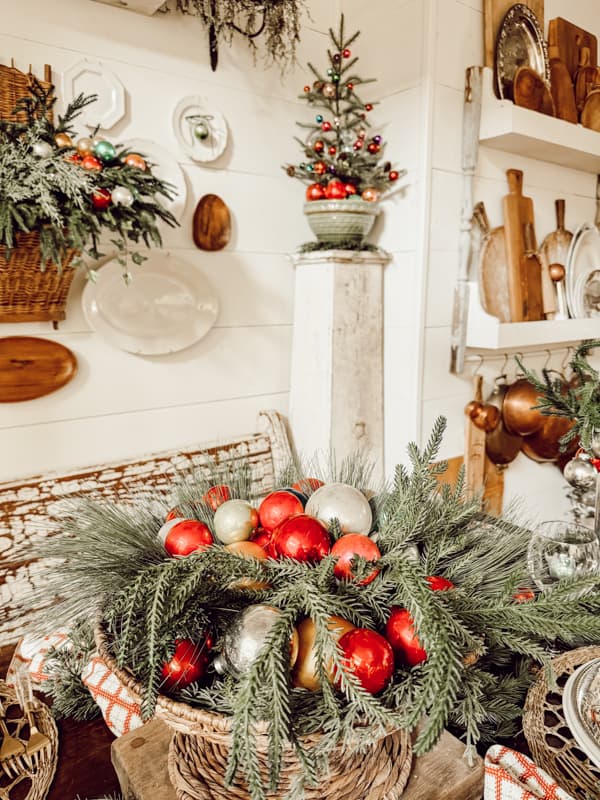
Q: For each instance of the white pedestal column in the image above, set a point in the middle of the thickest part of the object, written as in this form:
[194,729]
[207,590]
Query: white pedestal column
[336,401]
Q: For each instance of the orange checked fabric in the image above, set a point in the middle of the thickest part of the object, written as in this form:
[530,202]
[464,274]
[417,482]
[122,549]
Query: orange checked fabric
[510,775]
[119,708]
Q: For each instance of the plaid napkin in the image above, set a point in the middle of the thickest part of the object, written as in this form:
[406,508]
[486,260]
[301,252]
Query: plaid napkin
[509,775]
[31,652]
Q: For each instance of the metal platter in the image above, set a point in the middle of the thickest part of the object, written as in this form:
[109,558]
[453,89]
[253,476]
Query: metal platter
[520,43]
[576,707]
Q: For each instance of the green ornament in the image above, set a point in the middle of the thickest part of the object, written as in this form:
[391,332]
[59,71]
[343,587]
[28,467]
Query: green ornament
[319,118]
[335,77]
[201,131]
[105,150]
[309,167]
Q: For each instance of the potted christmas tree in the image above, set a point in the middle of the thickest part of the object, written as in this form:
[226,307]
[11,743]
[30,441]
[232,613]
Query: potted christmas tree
[343,162]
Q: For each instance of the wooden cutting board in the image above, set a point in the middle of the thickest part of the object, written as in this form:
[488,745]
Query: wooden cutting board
[32,367]
[590,116]
[518,211]
[561,85]
[493,277]
[211,223]
[494,12]
[475,458]
[531,276]
[569,39]
[554,250]
[532,92]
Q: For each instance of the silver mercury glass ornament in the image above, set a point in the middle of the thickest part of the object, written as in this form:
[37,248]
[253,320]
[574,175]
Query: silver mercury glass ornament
[199,126]
[580,473]
[244,639]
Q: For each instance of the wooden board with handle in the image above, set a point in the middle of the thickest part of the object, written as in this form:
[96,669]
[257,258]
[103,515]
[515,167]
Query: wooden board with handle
[493,278]
[531,272]
[569,39]
[518,210]
[31,367]
[554,250]
[494,12]
[563,92]
[474,446]
[211,224]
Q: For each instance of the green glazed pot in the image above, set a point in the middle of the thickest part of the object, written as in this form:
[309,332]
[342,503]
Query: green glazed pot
[341,220]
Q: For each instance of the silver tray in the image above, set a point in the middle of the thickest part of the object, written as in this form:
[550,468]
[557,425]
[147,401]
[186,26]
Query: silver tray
[520,43]
[585,733]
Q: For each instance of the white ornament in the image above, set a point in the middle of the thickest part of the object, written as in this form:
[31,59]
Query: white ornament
[344,502]
[580,474]
[42,149]
[234,521]
[121,196]
[165,529]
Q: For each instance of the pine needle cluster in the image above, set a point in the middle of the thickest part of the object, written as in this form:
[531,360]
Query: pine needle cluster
[483,644]
[52,195]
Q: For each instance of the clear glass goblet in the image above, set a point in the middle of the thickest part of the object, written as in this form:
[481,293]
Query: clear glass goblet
[560,550]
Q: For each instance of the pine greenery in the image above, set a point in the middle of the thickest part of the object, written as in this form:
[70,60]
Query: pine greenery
[335,145]
[483,645]
[52,195]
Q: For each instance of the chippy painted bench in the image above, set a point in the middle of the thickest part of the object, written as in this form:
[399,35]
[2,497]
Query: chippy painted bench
[28,506]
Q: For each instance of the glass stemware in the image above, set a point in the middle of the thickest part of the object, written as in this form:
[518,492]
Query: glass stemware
[560,550]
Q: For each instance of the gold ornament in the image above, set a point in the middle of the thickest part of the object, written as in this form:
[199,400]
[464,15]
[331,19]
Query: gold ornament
[250,550]
[85,146]
[63,140]
[371,195]
[328,89]
[306,673]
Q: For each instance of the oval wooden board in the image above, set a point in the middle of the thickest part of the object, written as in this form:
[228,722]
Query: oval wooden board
[212,223]
[530,91]
[32,367]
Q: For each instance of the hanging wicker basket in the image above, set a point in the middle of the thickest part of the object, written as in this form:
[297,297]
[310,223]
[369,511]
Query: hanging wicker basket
[201,742]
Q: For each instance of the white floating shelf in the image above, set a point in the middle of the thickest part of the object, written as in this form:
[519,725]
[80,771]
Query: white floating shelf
[147,7]
[505,126]
[485,332]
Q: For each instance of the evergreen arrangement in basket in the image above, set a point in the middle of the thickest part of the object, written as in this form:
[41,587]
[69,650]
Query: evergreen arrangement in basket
[388,606]
[58,200]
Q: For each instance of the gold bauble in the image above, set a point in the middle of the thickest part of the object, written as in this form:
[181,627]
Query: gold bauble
[370,195]
[328,89]
[306,673]
[85,146]
[247,550]
[63,140]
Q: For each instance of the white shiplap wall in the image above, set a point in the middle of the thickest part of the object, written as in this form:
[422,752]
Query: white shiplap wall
[121,405]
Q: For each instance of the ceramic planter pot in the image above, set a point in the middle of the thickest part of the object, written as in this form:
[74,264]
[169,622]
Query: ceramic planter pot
[339,221]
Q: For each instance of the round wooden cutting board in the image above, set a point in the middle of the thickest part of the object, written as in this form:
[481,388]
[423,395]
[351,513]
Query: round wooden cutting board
[32,367]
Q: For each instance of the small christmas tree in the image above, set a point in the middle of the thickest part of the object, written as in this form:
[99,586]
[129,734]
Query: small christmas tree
[341,160]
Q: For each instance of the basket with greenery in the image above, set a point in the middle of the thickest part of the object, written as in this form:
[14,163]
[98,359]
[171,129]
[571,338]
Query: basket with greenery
[426,617]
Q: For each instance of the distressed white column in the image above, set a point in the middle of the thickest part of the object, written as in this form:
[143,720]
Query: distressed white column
[336,400]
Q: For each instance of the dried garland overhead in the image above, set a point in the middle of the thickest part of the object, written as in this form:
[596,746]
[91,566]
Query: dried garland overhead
[277,21]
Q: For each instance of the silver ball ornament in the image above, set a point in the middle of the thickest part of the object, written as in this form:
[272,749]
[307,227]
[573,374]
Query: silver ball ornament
[121,196]
[42,149]
[580,474]
[245,638]
[344,502]
[234,521]
[589,498]
[595,444]
[201,131]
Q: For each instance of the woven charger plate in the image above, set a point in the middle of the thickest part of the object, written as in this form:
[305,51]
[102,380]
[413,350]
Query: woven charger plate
[552,746]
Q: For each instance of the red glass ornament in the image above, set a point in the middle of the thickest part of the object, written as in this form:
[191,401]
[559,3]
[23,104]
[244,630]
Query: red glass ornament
[350,86]
[369,107]
[216,495]
[174,513]
[91,163]
[596,463]
[439,583]
[264,539]
[75,158]
[400,633]
[370,657]
[136,161]
[101,199]
[348,546]
[393,176]
[315,192]
[350,189]
[307,88]
[277,507]
[319,146]
[358,144]
[326,126]
[373,148]
[523,596]
[303,538]
[332,150]
[320,168]
[346,53]
[188,536]
[189,663]
[335,190]
[307,485]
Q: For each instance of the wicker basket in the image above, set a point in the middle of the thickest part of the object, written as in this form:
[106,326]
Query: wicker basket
[26,293]
[200,748]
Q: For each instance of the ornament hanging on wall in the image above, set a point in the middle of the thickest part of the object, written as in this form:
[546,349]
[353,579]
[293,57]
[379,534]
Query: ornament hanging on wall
[200,129]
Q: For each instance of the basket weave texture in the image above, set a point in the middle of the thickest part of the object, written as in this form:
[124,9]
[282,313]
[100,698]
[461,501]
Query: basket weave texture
[28,294]
[200,748]
[548,736]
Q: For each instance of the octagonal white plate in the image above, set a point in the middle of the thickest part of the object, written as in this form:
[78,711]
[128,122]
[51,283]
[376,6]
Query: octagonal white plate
[166,168]
[189,112]
[92,77]
[168,305]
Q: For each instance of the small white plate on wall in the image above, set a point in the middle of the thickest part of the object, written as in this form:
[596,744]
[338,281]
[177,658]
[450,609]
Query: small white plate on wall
[92,77]
[200,129]
[168,305]
[165,167]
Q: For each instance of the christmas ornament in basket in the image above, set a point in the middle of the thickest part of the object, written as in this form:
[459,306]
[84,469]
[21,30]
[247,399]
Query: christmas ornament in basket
[294,641]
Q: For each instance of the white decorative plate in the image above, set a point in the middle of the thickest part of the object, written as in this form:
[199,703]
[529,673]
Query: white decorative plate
[167,169]
[572,701]
[92,77]
[193,115]
[582,258]
[168,305]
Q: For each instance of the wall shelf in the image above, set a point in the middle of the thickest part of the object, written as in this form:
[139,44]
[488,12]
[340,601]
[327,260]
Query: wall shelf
[485,332]
[147,7]
[505,126]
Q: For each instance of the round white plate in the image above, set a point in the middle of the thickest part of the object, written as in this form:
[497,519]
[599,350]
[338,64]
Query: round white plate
[190,112]
[583,257]
[165,167]
[571,702]
[92,77]
[167,307]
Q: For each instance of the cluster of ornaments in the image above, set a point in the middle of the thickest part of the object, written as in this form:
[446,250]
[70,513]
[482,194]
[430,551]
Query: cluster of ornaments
[290,524]
[338,190]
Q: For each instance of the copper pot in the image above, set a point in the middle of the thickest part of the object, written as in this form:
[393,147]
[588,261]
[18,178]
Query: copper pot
[544,444]
[501,446]
[518,413]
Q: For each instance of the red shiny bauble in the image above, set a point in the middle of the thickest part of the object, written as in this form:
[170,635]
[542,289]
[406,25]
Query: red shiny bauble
[307,485]
[370,657]
[319,146]
[216,496]
[373,148]
[136,161]
[188,536]
[91,163]
[307,88]
[302,538]
[350,86]
[320,168]
[277,507]
[174,513]
[335,191]
[189,663]
[315,192]
[326,126]
[264,539]
[332,150]
[393,176]
[350,189]
[400,633]
[439,584]
[346,53]
[358,144]
[350,545]
[75,158]
[101,199]
[369,107]
[596,463]
[523,596]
